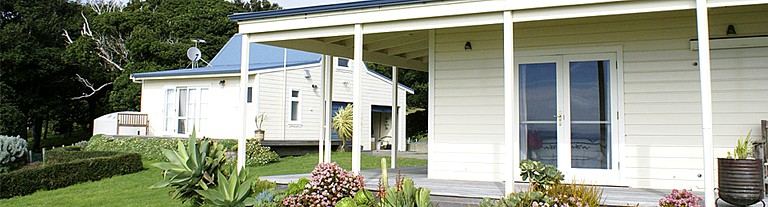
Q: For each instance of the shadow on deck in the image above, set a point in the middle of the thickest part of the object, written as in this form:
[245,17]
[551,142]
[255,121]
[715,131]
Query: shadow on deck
[469,193]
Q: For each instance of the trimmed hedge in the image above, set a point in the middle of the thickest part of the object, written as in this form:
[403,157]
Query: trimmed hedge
[62,156]
[58,175]
[148,148]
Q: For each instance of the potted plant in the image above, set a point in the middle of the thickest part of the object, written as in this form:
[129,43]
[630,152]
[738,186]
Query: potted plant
[259,133]
[740,177]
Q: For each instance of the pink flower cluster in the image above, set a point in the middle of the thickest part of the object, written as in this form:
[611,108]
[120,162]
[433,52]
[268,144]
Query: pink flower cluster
[329,183]
[680,198]
[568,201]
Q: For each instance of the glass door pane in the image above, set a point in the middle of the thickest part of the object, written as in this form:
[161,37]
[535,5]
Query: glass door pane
[590,114]
[182,116]
[538,112]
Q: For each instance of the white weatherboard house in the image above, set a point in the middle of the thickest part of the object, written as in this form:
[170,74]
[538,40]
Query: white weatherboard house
[644,94]
[285,85]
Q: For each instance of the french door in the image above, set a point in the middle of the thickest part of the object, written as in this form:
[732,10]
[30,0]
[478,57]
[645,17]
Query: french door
[185,109]
[568,114]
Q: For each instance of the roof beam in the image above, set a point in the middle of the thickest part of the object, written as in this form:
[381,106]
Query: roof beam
[421,45]
[391,43]
[317,46]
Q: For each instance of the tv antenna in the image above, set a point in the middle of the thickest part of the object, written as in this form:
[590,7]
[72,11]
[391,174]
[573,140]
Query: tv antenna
[194,54]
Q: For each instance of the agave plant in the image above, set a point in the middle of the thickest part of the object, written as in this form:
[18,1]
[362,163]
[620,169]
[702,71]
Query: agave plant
[743,147]
[192,167]
[232,191]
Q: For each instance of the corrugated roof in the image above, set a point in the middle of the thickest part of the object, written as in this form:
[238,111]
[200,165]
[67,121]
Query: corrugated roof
[228,60]
[320,9]
[262,57]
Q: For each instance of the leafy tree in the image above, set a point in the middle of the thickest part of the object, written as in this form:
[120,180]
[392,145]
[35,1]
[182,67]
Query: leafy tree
[258,5]
[417,102]
[34,78]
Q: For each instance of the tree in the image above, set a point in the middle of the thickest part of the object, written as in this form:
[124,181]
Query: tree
[35,81]
[258,5]
[343,125]
[417,102]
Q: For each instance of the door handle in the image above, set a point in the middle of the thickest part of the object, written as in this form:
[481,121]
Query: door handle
[559,118]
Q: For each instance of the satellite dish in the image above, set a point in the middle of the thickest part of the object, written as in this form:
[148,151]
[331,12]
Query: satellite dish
[194,54]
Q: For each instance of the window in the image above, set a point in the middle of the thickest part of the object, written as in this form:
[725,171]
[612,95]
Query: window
[295,106]
[249,95]
[185,108]
[343,62]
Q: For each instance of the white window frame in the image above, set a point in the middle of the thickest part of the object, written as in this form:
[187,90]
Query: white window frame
[298,107]
[199,117]
[346,69]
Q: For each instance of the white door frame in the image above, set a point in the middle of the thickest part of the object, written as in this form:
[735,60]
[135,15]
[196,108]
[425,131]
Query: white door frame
[593,176]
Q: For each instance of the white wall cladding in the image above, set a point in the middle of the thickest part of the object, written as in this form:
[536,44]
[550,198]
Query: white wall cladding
[268,99]
[662,112]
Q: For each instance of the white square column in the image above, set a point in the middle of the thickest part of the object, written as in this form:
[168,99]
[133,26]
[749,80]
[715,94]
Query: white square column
[244,62]
[357,99]
[702,26]
[395,121]
[511,127]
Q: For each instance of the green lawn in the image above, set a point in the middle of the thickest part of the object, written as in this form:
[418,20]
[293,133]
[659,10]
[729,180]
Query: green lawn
[133,189]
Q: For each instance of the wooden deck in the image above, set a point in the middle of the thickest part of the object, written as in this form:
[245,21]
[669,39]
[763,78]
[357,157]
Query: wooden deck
[463,193]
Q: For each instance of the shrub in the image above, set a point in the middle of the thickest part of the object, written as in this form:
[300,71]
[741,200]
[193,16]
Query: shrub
[679,199]
[519,199]
[232,190]
[58,175]
[13,153]
[148,148]
[575,195]
[328,184]
[259,155]
[542,177]
[62,155]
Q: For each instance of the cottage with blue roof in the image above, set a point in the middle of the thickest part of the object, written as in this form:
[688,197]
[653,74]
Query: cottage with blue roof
[283,84]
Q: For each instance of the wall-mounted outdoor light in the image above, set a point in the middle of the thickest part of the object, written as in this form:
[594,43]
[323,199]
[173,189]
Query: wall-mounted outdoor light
[468,46]
[307,73]
[222,82]
[731,30]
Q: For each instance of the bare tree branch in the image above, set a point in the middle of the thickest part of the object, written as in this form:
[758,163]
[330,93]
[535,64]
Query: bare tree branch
[66,34]
[89,85]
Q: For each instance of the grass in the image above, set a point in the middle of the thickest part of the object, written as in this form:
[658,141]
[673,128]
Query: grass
[133,189]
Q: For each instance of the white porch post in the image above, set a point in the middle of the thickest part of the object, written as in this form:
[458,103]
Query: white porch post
[328,107]
[244,56]
[702,25]
[511,129]
[323,124]
[357,100]
[394,122]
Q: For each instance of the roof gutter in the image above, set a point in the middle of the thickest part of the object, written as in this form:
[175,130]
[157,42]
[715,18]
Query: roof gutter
[321,9]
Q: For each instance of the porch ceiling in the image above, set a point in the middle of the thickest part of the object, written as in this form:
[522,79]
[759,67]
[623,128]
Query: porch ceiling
[408,49]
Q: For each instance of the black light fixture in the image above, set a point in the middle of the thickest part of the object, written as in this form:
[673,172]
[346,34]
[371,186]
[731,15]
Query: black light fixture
[468,46]
[222,82]
[731,30]
[314,86]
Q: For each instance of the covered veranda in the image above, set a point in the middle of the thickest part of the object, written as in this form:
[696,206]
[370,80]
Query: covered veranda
[402,34]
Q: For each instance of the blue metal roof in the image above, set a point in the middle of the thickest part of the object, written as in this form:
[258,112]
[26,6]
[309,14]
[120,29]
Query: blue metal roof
[228,60]
[321,8]
[261,57]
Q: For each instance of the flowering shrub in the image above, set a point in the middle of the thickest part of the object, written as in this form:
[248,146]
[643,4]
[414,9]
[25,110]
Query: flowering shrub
[680,199]
[259,155]
[329,184]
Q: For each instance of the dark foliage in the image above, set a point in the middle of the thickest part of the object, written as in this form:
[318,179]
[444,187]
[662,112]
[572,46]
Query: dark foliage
[59,175]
